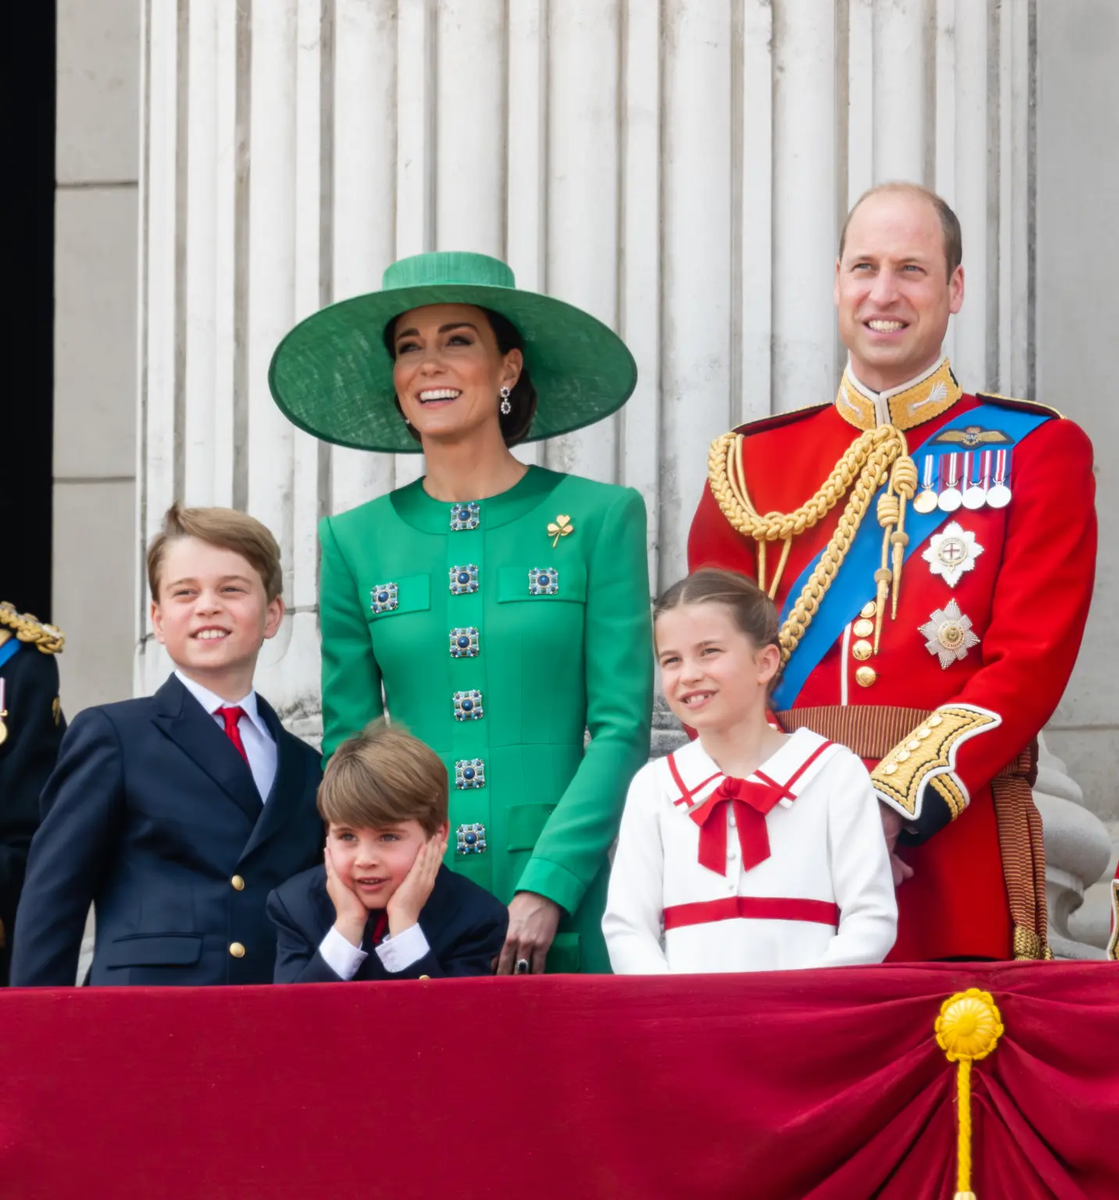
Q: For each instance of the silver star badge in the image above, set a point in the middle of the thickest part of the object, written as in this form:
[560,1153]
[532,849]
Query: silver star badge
[948,634]
[952,552]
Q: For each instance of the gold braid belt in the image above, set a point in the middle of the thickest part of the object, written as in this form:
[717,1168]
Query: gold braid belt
[879,456]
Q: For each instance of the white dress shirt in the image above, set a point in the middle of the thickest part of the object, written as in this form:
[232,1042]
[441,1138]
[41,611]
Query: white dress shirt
[396,953]
[260,749]
[826,846]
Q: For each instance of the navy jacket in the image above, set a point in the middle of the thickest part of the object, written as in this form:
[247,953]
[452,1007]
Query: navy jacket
[153,815]
[34,726]
[464,926]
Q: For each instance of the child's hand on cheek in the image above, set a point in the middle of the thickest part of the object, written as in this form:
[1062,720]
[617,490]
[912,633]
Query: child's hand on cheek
[349,911]
[408,899]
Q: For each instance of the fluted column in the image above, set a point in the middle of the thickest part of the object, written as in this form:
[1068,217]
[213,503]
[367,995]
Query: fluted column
[1077,850]
[679,169]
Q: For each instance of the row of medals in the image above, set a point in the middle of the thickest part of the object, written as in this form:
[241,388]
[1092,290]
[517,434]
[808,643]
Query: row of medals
[971,487]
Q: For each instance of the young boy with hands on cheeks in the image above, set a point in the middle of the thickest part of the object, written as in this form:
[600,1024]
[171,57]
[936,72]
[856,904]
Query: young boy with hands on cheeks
[748,849]
[176,814]
[382,905]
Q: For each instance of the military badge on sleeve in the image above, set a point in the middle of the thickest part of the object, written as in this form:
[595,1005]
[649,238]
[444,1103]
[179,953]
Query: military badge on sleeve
[952,552]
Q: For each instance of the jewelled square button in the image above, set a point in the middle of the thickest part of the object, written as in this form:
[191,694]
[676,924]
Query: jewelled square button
[468,706]
[470,773]
[464,642]
[464,580]
[383,598]
[464,517]
[543,581]
[470,839]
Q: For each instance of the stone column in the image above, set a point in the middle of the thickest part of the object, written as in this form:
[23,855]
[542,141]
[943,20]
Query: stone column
[1077,851]
[680,170]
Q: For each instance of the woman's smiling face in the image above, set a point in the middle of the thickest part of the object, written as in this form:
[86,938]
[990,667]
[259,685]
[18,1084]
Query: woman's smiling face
[448,370]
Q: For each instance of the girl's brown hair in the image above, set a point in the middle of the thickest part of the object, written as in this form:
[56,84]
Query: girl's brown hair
[753,611]
[384,776]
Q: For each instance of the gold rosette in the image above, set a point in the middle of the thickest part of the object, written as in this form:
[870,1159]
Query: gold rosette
[967,1030]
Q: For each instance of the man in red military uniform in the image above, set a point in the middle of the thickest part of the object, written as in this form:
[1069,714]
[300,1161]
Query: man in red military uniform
[933,554]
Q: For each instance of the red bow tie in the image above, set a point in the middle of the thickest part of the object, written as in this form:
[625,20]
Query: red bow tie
[749,802]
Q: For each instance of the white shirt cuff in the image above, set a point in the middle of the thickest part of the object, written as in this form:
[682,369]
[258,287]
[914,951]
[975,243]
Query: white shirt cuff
[341,956]
[400,952]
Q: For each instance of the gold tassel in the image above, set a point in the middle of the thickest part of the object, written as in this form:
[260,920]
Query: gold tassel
[903,480]
[967,1030]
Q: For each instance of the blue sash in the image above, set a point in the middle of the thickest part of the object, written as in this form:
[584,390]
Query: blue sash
[854,585]
[8,649]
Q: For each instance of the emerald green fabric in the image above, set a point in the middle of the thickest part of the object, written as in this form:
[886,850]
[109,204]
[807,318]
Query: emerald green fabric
[549,667]
[332,376]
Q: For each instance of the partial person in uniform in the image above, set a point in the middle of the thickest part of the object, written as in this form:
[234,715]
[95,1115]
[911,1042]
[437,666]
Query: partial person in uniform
[503,609]
[932,552]
[176,814]
[749,849]
[31,729]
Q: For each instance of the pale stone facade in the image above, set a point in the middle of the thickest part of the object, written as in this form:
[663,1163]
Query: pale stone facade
[680,169]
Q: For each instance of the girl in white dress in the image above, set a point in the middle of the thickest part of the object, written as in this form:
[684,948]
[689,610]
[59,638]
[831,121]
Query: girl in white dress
[748,849]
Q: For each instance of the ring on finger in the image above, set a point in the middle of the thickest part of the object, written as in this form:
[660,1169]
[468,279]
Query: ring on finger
[523,967]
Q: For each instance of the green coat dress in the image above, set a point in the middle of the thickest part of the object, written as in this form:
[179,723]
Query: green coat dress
[500,650]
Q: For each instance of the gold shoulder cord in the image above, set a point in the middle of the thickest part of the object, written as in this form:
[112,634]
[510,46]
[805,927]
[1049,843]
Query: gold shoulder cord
[27,629]
[876,457]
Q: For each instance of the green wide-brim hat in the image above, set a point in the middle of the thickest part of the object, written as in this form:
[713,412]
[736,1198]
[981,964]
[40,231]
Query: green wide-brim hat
[332,375]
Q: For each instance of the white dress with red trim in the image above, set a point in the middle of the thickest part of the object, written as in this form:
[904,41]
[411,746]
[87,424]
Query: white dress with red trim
[785,869]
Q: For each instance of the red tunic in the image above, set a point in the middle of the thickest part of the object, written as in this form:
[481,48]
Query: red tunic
[1027,597]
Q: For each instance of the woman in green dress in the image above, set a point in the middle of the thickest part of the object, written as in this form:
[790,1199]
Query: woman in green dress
[503,609]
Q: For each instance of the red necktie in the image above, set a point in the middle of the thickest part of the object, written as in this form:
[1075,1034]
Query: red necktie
[749,802]
[231,715]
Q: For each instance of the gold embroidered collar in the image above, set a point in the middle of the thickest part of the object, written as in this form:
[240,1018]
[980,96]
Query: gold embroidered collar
[904,407]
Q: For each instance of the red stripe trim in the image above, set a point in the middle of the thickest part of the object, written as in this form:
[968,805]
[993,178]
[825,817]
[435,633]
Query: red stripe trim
[754,908]
[686,795]
[807,763]
[676,776]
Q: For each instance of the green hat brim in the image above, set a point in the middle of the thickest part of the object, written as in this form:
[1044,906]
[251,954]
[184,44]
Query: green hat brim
[332,375]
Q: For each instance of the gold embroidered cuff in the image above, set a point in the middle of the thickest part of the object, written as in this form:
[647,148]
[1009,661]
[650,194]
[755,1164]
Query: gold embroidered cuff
[946,787]
[928,755]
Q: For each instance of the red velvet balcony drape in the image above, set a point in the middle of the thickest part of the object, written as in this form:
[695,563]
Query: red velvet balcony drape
[819,1084]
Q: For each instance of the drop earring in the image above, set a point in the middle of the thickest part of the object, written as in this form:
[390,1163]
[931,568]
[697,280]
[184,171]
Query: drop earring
[506,404]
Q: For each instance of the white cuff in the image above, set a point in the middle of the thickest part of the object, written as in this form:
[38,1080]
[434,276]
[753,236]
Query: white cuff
[400,952]
[342,957]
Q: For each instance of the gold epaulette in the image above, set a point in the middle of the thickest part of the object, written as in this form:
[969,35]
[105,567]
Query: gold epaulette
[30,629]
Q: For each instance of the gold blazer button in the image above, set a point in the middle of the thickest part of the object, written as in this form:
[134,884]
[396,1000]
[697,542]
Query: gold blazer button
[237,950]
[238,883]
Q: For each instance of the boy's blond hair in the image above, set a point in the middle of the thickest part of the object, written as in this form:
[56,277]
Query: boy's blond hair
[384,776]
[225,528]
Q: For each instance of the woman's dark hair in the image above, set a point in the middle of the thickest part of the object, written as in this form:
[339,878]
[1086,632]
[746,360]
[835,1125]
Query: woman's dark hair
[522,396]
[753,611]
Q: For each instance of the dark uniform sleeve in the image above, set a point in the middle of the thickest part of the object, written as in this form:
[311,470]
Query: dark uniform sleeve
[34,728]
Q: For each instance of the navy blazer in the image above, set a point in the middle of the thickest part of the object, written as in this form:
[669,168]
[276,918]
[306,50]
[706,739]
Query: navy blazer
[35,727]
[463,923]
[153,815]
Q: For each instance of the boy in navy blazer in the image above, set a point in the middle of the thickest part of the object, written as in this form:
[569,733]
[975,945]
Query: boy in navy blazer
[382,905]
[176,814]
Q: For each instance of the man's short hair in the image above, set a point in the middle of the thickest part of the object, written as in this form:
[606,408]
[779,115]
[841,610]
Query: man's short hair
[949,222]
[384,776]
[225,528]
